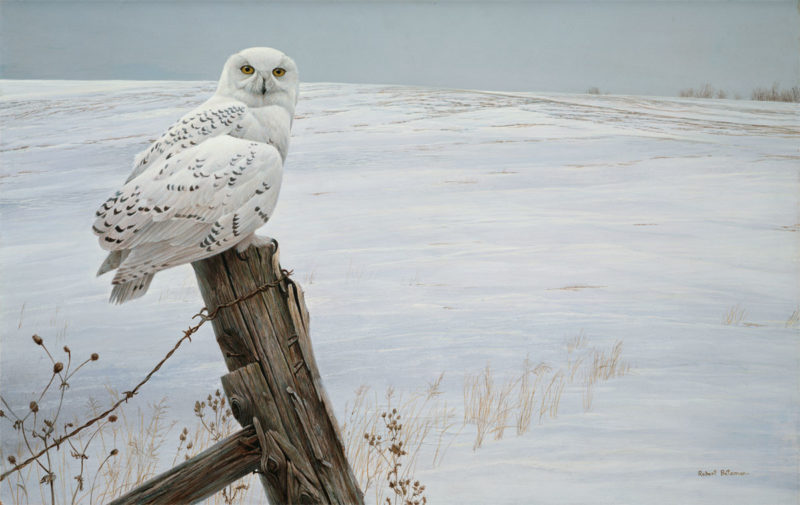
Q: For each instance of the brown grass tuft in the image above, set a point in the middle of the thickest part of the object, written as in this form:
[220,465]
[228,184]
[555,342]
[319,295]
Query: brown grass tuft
[602,367]
[775,94]
[734,315]
[704,91]
[794,318]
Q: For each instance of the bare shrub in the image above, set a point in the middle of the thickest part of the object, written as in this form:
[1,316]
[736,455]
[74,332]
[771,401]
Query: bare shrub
[39,425]
[368,428]
[214,421]
[594,90]
[391,447]
[107,459]
[775,94]
[704,91]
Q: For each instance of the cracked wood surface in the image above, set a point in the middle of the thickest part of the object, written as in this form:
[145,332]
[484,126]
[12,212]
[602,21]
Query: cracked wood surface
[203,475]
[274,378]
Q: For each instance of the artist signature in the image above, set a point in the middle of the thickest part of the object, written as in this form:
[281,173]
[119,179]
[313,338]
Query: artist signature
[721,472]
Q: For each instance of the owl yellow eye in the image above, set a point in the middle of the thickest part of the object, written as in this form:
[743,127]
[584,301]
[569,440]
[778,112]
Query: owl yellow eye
[278,72]
[247,69]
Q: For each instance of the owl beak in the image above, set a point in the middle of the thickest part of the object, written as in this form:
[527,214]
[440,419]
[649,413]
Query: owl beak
[266,84]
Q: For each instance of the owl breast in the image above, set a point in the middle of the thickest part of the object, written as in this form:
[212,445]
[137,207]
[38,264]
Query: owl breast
[268,124]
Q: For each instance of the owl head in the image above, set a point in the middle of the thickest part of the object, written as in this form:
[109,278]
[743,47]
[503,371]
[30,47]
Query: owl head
[260,76]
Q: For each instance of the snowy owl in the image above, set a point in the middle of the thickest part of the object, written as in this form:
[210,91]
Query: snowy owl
[209,182]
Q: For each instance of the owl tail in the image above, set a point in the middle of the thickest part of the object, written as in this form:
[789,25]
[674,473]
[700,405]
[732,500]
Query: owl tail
[113,261]
[131,289]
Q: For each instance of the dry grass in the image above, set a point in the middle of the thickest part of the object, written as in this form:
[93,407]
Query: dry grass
[539,388]
[124,454]
[734,316]
[138,440]
[527,392]
[384,435]
[775,94]
[490,404]
[368,438]
[704,91]
[486,405]
[603,367]
[537,391]
[794,318]
[108,459]
[389,445]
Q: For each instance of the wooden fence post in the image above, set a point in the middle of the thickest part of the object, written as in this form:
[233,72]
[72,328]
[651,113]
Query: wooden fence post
[290,436]
[274,383]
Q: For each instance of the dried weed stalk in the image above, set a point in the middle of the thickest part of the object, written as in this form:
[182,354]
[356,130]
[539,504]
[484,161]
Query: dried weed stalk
[215,421]
[114,455]
[40,425]
[391,448]
[368,427]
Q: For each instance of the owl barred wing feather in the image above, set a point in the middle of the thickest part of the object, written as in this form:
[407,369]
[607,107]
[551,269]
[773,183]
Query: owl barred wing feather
[198,203]
[218,116]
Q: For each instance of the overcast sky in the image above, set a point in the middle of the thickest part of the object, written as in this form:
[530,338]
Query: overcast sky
[644,47]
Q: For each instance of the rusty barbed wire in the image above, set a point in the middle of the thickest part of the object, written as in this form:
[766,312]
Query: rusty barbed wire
[127,395]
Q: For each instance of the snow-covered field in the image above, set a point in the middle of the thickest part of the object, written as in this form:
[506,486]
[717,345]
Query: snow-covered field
[435,231]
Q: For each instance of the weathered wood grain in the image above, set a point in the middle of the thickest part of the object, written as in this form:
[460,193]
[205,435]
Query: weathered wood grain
[303,453]
[203,475]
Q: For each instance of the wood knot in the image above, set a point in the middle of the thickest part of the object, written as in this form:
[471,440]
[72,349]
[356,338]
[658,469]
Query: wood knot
[241,409]
[272,465]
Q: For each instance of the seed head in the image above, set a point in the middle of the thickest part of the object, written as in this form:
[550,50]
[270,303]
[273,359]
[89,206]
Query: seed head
[112,418]
[95,356]
[34,407]
[58,367]
[37,339]
[114,452]
[12,460]
[66,350]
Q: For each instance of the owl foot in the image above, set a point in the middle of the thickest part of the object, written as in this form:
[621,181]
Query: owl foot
[251,240]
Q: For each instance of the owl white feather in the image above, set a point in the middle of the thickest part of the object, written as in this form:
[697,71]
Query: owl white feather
[209,182]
